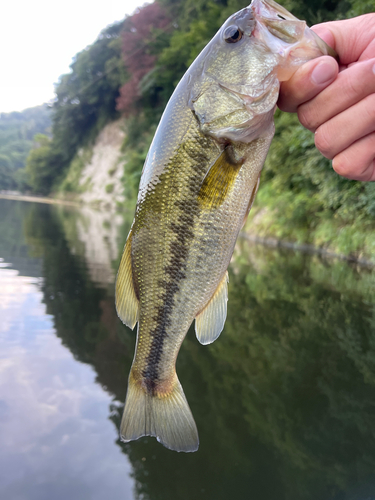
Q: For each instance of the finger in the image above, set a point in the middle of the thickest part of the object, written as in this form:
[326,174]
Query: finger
[353,39]
[323,31]
[351,86]
[307,82]
[357,162]
[352,124]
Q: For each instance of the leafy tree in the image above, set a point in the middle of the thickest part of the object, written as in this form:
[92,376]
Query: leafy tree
[6,181]
[42,163]
[86,97]
[141,32]
[17,130]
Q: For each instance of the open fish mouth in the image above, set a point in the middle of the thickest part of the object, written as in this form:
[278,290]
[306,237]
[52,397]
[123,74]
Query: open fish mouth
[286,27]
[268,9]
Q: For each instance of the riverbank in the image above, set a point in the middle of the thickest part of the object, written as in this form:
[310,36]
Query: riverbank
[305,248]
[38,199]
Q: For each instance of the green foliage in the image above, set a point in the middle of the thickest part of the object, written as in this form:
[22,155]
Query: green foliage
[70,183]
[85,102]
[144,35]
[17,130]
[306,200]
[86,97]
[109,188]
[42,164]
[359,7]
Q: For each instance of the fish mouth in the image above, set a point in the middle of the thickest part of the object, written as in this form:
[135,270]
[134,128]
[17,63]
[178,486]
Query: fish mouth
[268,9]
[286,27]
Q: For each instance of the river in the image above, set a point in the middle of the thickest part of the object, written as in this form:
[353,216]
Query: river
[284,400]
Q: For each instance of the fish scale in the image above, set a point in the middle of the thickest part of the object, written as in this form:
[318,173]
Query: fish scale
[198,183]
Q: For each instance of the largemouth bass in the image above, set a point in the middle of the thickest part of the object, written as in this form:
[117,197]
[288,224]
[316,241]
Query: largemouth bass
[198,184]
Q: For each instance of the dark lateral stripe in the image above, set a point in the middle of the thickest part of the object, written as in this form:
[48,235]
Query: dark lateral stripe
[178,251]
[174,273]
[192,159]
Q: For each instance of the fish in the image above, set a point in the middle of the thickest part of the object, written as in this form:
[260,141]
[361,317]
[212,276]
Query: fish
[198,184]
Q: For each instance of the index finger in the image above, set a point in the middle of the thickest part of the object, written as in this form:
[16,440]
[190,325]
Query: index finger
[307,82]
[353,39]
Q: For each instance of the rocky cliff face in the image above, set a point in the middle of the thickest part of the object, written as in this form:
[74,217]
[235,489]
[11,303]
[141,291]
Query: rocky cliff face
[96,236]
[100,179]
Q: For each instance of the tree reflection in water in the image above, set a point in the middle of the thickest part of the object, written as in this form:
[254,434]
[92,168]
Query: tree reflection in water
[284,400]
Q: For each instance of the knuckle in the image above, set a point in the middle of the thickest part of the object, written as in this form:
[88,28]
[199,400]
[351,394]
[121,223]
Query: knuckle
[353,87]
[323,141]
[370,107]
[357,82]
[341,167]
[307,118]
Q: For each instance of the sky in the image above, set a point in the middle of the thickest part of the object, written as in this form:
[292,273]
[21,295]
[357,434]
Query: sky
[57,440]
[39,38]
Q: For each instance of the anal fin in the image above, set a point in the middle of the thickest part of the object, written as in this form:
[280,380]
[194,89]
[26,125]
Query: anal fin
[127,303]
[210,322]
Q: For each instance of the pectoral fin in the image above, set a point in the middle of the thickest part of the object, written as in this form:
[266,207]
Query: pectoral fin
[210,322]
[127,304]
[219,180]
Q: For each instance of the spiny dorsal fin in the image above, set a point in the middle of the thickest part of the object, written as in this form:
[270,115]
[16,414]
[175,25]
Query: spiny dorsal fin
[127,304]
[210,322]
[219,180]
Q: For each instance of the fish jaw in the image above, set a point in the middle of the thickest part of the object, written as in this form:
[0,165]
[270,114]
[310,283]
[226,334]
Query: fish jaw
[285,35]
[236,84]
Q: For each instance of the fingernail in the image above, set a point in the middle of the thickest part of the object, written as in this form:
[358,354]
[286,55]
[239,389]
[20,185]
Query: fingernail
[323,73]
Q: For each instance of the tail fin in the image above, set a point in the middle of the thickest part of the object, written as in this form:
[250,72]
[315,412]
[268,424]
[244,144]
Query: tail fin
[166,417]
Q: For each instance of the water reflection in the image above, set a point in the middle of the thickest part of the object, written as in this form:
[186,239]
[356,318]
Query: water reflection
[56,439]
[284,400]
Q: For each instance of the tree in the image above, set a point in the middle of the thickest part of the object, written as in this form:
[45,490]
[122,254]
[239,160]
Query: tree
[42,164]
[86,97]
[138,49]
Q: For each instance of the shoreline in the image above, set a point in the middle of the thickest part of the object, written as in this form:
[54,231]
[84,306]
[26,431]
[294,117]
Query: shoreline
[305,248]
[38,199]
[266,241]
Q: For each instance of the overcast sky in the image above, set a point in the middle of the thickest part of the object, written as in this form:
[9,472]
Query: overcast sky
[39,38]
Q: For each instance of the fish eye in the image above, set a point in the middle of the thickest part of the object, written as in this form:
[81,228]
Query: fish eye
[232,34]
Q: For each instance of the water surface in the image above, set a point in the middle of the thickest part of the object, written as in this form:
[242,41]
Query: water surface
[284,400]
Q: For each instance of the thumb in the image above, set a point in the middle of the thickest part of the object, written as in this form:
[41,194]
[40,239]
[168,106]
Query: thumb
[325,34]
[310,79]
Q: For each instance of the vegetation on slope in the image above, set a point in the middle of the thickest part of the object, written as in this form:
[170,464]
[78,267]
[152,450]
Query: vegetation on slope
[85,102]
[17,130]
[132,70]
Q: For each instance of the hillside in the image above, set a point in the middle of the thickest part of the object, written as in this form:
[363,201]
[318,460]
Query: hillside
[17,130]
[132,69]
[95,173]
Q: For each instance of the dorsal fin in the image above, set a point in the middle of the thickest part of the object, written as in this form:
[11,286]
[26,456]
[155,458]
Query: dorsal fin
[127,303]
[210,322]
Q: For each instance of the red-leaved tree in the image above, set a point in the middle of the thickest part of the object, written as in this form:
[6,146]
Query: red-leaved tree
[136,43]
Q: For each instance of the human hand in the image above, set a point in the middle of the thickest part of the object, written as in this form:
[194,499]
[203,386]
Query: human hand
[338,102]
